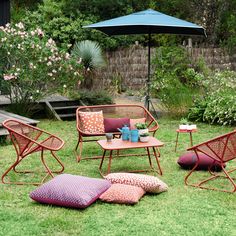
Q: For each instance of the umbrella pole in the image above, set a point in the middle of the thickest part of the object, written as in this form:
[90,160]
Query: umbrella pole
[148,101]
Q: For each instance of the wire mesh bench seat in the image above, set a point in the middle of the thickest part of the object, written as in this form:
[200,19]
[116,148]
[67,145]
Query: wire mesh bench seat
[223,150]
[27,140]
[111,111]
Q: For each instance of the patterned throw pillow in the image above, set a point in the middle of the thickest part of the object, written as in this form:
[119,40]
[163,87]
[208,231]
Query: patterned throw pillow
[135,121]
[92,122]
[122,193]
[149,183]
[70,191]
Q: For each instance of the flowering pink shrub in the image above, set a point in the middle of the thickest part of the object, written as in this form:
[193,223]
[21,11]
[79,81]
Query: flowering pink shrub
[31,65]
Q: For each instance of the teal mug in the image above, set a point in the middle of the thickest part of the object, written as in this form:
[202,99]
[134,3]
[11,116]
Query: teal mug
[134,135]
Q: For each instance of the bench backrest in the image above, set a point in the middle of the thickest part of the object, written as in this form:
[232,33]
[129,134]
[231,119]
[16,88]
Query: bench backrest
[120,111]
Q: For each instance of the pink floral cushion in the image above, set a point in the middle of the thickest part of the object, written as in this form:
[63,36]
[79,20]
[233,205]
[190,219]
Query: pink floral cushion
[70,191]
[122,193]
[92,122]
[149,183]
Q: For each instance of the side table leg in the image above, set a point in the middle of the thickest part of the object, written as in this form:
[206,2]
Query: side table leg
[176,141]
[157,159]
[191,138]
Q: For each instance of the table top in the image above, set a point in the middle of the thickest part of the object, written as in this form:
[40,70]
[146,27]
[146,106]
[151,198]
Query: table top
[186,130]
[119,144]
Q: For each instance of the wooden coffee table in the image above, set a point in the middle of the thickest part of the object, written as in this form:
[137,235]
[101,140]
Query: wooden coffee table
[118,144]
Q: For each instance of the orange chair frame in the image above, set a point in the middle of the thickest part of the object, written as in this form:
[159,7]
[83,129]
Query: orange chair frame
[221,149]
[28,139]
[129,110]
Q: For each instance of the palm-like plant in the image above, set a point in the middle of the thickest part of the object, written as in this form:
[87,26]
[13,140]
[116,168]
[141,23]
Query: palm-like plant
[90,54]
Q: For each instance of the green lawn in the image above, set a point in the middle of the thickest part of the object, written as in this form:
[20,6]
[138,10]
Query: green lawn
[180,211]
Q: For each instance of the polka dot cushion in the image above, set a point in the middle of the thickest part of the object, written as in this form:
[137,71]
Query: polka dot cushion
[70,191]
[92,122]
[149,183]
[122,193]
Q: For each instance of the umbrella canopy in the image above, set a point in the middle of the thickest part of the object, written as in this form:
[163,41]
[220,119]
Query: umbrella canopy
[147,22]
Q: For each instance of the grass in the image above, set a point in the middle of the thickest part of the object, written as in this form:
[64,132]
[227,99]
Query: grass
[180,211]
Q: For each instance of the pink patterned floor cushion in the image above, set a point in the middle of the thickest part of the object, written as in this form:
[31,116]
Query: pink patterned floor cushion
[122,193]
[189,159]
[70,191]
[149,183]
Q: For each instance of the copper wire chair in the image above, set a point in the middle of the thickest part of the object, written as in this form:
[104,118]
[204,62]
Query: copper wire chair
[223,150]
[27,140]
[111,111]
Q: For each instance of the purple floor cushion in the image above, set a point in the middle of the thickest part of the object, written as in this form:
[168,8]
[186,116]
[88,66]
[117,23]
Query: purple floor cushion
[70,191]
[189,159]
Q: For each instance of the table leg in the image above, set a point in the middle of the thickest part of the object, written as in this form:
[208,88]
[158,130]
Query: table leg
[157,159]
[176,141]
[191,139]
[103,156]
[109,163]
[149,158]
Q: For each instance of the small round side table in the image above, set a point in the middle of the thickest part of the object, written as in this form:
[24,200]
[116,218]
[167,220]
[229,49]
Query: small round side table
[178,131]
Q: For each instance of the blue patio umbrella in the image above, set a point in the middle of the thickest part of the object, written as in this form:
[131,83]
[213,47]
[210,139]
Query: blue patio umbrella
[147,22]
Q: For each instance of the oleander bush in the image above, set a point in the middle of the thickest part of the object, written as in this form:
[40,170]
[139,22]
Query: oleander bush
[32,66]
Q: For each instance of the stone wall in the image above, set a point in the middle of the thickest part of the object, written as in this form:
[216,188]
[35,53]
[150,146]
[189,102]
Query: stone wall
[130,65]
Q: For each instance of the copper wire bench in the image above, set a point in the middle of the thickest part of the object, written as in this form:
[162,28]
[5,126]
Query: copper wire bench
[27,140]
[111,111]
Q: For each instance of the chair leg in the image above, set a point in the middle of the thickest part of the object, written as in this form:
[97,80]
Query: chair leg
[12,167]
[48,170]
[212,177]
[60,163]
[80,146]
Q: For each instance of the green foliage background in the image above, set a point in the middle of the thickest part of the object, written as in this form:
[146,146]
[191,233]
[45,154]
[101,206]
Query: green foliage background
[63,19]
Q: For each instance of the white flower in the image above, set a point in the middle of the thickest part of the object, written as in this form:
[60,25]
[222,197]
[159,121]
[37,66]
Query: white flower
[8,77]
[67,56]
[31,97]
[64,86]
[54,71]
[50,74]
[37,91]
[49,63]
[20,25]
[17,69]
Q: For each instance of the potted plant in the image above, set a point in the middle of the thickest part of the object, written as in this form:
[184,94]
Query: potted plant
[186,125]
[144,137]
[142,128]
[183,124]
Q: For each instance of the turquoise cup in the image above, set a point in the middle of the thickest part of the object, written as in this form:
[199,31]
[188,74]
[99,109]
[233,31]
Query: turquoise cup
[134,135]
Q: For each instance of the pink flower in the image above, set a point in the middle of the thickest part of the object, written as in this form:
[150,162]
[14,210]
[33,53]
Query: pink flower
[8,77]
